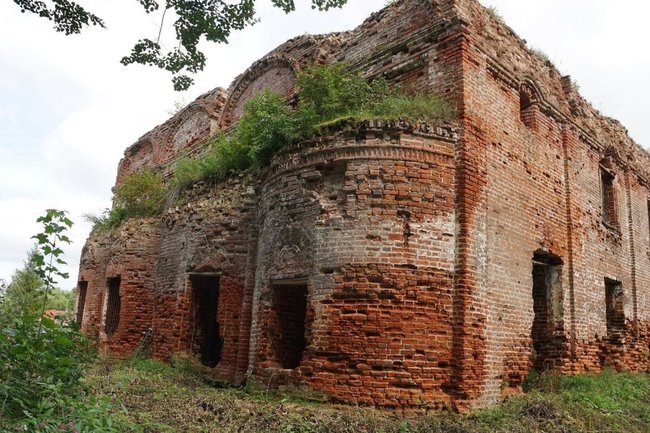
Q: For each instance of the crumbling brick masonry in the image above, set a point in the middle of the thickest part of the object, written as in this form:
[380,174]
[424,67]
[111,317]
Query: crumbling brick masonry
[388,263]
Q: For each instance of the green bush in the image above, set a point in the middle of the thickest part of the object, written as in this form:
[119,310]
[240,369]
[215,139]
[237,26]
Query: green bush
[327,94]
[331,91]
[108,219]
[268,123]
[41,362]
[223,156]
[141,194]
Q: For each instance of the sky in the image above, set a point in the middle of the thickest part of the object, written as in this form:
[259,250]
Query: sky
[68,108]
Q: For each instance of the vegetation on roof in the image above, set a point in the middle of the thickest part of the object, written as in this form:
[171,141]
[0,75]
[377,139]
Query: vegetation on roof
[326,95]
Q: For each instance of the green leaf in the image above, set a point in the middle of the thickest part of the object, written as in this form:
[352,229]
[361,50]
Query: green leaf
[62,340]
[18,350]
[48,323]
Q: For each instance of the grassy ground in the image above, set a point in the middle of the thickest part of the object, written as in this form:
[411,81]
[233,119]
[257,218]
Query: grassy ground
[152,397]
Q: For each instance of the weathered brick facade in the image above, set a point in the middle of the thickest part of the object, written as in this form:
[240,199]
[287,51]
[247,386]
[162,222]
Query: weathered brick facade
[387,263]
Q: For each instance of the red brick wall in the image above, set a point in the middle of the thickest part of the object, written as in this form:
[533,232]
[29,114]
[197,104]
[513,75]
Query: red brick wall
[415,243]
[211,232]
[368,221]
[128,252]
[537,187]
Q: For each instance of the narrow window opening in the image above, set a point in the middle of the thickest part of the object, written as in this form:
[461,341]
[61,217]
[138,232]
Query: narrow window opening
[547,308]
[608,196]
[614,313]
[406,226]
[206,341]
[526,107]
[290,306]
[82,289]
[113,306]
[648,206]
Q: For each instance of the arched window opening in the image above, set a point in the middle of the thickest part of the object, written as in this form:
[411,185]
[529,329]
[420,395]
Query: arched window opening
[608,193]
[527,105]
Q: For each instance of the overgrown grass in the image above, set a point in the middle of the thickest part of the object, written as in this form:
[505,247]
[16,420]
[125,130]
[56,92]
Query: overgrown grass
[540,54]
[160,398]
[327,94]
[396,107]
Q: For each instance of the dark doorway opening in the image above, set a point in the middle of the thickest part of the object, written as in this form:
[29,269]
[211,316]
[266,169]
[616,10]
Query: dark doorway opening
[547,328]
[614,313]
[290,304]
[82,289]
[608,194]
[113,306]
[206,341]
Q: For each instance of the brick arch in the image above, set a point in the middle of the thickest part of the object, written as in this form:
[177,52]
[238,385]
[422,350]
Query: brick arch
[529,93]
[291,257]
[192,126]
[214,263]
[275,72]
[613,159]
[529,100]
[136,157]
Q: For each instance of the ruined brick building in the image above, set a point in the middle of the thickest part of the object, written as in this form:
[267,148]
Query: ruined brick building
[394,264]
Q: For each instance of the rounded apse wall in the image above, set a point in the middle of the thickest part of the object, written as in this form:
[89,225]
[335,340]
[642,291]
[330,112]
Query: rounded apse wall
[355,266]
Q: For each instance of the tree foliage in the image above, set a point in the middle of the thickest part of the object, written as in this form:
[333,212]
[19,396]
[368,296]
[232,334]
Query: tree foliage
[195,20]
[25,291]
[68,17]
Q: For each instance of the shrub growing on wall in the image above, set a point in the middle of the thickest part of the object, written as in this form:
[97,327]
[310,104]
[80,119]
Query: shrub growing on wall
[327,94]
[267,124]
[331,91]
[223,156]
[141,194]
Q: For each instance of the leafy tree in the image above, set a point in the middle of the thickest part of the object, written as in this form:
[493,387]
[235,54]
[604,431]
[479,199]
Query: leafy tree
[213,20]
[58,300]
[26,290]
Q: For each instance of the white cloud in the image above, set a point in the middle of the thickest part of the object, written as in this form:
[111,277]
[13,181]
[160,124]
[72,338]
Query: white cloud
[600,43]
[68,109]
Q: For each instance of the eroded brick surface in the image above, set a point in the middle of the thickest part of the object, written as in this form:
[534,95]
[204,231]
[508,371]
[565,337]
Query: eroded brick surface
[388,263]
